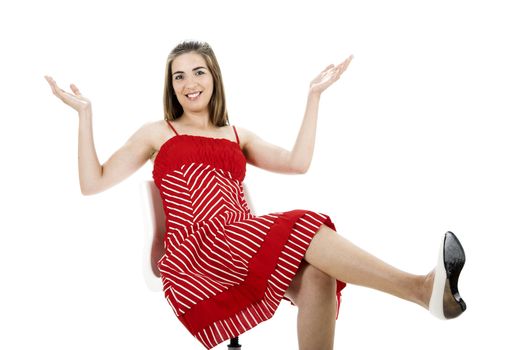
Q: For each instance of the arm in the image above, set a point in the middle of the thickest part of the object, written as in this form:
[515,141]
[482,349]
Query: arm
[273,158]
[93,176]
[265,155]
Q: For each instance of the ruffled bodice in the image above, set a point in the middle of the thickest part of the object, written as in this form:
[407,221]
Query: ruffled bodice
[187,149]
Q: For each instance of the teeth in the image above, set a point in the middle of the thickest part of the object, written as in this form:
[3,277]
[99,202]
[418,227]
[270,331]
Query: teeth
[193,95]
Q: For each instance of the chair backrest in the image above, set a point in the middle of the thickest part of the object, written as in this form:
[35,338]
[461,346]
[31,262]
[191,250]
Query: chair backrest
[154,229]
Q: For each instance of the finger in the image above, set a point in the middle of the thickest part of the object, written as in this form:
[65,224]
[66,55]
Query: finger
[324,73]
[346,62]
[75,89]
[330,66]
[50,81]
[54,87]
[349,60]
[57,91]
[343,66]
[337,74]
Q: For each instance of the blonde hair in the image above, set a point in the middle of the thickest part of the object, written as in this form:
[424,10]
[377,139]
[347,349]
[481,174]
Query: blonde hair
[217,106]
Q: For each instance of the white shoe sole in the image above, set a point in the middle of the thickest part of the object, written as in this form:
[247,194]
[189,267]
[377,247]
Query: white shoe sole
[435,305]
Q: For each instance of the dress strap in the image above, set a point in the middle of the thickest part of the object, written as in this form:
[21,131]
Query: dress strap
[172,128]
[236,135]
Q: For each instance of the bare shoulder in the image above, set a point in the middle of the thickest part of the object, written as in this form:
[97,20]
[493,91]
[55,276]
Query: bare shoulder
[156,133]
[153,131]
[245,136]
[149,137]
[153,126]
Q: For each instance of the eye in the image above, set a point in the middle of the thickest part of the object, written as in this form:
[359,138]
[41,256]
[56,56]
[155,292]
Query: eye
[177,77]
[199,72]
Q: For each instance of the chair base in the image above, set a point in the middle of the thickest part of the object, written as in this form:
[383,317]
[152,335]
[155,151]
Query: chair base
[234,344]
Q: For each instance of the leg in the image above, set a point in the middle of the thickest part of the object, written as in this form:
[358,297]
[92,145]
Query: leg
[313,292]
[341,259]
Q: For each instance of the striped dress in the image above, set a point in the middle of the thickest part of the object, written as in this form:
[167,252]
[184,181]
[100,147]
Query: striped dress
[224,270]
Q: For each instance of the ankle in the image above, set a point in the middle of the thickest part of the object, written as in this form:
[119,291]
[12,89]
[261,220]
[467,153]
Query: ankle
[425,290]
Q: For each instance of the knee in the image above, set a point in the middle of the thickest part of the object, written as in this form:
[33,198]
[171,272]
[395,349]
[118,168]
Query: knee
[318,278]
[314,286]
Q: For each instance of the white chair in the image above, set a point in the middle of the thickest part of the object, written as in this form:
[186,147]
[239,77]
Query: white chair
[154,228]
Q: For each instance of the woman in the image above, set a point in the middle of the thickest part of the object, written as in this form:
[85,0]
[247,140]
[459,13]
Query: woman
[225,270]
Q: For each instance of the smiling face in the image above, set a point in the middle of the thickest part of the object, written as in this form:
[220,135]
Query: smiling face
[192,82]
[197,83]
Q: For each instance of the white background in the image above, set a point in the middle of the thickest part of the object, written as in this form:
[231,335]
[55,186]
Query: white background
[423,134]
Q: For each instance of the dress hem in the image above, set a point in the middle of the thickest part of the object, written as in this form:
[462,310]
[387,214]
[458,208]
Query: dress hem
[240,308]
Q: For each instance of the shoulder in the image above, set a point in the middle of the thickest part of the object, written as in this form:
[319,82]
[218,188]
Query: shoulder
[245,135]
[151,132]
[155,125]
[147,130]
[154,128]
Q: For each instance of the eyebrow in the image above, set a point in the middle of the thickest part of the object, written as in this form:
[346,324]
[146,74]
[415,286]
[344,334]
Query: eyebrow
[194,69]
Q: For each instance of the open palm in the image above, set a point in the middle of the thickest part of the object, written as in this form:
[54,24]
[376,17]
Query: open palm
[75,99]
[329,75]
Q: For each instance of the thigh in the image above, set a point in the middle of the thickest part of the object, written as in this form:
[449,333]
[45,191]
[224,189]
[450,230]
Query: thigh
[326,248]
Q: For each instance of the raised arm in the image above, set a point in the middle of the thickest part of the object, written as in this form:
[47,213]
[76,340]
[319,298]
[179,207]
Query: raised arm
[93,176]
[274,158]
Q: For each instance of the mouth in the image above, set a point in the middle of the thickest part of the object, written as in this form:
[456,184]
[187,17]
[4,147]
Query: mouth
[194,95]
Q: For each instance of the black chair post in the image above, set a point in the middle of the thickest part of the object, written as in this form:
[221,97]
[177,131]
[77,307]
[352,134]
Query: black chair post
[234,344]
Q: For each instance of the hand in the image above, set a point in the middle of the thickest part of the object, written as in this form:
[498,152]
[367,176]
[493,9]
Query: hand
[329,75]
[74,100]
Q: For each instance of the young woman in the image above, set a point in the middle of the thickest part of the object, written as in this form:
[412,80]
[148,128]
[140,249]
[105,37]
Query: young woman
[225,270]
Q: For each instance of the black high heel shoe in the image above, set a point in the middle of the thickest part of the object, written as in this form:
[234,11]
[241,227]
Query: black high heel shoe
[445,301]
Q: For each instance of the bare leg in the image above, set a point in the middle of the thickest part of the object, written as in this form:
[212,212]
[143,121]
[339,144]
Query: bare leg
[313,292]
[341,259]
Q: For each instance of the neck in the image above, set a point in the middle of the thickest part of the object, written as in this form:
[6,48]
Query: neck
[200,120]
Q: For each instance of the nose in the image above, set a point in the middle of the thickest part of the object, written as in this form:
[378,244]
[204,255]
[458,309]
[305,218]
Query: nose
[190,82]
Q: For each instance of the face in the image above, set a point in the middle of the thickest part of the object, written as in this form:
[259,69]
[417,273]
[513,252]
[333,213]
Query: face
[192,82]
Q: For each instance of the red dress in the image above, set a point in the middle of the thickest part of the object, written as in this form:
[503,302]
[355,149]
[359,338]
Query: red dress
[224,269]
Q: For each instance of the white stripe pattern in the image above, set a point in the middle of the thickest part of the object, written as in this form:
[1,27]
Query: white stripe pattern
[210,242]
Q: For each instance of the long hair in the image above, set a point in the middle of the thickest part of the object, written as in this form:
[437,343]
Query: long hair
[217,105]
